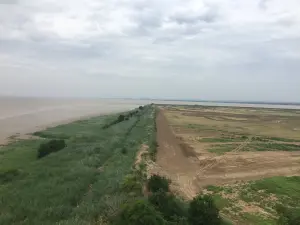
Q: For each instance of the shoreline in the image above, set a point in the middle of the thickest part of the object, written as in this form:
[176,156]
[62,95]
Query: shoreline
[21,116]
[28,118]
[28,134]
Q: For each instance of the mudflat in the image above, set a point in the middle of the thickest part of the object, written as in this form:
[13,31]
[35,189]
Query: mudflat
[19,116]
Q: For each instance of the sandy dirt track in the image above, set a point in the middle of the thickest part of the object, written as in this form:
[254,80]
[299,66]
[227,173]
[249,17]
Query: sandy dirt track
[192,170]
[173,161]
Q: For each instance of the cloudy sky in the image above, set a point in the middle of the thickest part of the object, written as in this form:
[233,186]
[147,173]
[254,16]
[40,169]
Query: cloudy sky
[196,49]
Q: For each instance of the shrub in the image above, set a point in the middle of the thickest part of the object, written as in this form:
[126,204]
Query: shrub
[288,216]
[121,118]
[131,184]
[156,183]
[203,211]
[140,212]
[141,108]
[171,208]
[9,175]
[50,146]
[124,150]
[179,221]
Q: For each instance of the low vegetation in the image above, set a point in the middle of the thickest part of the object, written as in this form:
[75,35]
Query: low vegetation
[253,146]
[95,172]
[269,201]
[81,184]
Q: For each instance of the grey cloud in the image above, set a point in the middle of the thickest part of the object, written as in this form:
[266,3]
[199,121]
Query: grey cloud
[8,2]
[263,4]
[209,16]
[146,21]
[138,47]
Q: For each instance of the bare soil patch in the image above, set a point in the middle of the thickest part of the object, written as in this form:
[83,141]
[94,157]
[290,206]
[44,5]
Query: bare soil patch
[174,161]
[186,161]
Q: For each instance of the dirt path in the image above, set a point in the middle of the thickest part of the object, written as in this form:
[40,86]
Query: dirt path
[174,161]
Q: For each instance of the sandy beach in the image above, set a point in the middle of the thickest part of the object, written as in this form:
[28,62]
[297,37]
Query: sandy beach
[20,116]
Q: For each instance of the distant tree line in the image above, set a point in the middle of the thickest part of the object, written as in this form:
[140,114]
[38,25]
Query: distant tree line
[123,117]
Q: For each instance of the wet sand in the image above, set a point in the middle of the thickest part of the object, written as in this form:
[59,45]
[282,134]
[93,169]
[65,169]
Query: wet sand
[20,116]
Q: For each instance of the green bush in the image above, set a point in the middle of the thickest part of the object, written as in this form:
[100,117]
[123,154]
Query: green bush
[203,211]
[171,208]
[156,183]
[124,150]
[140,213]
[50,147]
[178,221]
[131,184]
[288,216]
[9,175]
[121,118]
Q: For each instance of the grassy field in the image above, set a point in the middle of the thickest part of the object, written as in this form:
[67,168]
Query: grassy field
[81,184]
[255,202]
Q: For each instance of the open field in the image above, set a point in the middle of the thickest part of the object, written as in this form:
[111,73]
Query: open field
[201,146]
[80,184]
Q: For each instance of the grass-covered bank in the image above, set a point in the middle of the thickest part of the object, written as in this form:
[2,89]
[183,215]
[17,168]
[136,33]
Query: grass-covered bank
[80,184]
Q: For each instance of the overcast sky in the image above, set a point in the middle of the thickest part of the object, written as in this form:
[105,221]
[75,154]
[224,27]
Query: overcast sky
[197,49]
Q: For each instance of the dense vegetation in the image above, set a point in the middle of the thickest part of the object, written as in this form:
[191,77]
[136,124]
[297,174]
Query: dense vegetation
[81,184]
[164,208]
[50,147]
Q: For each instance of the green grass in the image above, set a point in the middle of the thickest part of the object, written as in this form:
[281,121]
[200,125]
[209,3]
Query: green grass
[283,139]
[254,146]
[274,147]
[287,189]
[221,202]
[265,193]
[256,219]
[225,139]
[78,185]
[221,149]
[18,154]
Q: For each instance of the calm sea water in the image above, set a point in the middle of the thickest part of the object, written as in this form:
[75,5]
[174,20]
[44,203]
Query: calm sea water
[16,106]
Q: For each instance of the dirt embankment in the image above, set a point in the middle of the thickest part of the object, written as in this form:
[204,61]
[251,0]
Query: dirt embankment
[173,159]
[190,172]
